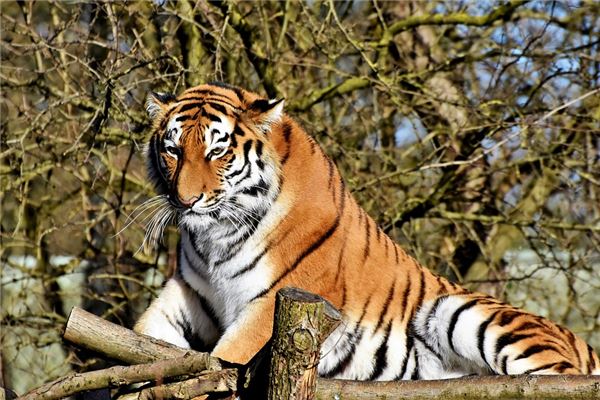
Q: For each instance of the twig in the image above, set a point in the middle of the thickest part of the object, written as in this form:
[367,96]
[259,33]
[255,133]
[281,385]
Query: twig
[210,382]
[511,136]
[499,219]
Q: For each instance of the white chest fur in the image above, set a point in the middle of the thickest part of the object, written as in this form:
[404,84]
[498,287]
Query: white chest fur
[227,266]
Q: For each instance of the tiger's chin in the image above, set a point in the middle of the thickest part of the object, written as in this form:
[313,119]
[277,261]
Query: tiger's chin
[193,219]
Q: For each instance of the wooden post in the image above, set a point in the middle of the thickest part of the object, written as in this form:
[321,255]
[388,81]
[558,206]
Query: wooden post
[302,321]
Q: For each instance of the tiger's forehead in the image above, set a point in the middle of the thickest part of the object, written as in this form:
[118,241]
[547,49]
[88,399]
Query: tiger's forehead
[200,129]
[231,97]
[201,109]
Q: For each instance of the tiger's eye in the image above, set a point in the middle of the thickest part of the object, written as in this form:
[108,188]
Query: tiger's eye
[214,153]
[172,150]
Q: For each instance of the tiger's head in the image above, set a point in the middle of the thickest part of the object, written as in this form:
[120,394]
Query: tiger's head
[210,153]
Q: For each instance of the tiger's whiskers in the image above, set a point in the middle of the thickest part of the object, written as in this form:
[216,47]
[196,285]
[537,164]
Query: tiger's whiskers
[156,227]
[153,202]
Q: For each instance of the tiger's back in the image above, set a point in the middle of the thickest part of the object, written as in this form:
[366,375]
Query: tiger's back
[261,206]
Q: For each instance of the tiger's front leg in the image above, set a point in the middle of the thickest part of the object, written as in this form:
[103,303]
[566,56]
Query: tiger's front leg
[249,332]
[178,317]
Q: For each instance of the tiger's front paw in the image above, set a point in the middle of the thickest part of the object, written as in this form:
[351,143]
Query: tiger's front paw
[164,332]
[233,354]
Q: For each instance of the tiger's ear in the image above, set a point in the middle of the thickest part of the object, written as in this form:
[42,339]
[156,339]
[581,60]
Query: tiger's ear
[265,113]
[156,103]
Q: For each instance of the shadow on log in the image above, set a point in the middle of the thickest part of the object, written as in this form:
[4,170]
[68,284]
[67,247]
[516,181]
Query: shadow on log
[302,322]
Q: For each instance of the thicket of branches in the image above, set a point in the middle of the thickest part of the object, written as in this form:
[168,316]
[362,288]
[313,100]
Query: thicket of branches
[468,130]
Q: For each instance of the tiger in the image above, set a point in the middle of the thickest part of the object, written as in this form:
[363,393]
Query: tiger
[260,206]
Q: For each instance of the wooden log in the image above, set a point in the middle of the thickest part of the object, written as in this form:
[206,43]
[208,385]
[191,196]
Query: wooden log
[209,382]
[302,321]
[514,387]
[157,371]
[119,343]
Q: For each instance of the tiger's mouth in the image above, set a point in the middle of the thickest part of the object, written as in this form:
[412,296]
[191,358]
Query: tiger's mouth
[205,210]
[199,206]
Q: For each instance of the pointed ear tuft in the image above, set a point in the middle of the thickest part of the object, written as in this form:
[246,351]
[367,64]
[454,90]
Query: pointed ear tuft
[264,112]
[157,102]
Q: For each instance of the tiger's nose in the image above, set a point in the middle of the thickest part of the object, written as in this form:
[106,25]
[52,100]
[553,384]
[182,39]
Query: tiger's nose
[189,202]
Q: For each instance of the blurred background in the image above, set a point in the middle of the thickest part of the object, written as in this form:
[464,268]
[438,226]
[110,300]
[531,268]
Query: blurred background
[469,130]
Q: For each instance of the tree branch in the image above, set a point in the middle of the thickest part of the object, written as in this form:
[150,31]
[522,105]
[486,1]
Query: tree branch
[251,41]
[468,388]
[119,343]
[122,376]
[316,96]
[500,219]
[209,382]
[503,12]
[355,83]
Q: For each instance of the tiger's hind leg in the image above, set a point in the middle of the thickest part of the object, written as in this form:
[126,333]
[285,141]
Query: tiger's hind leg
[473,333]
